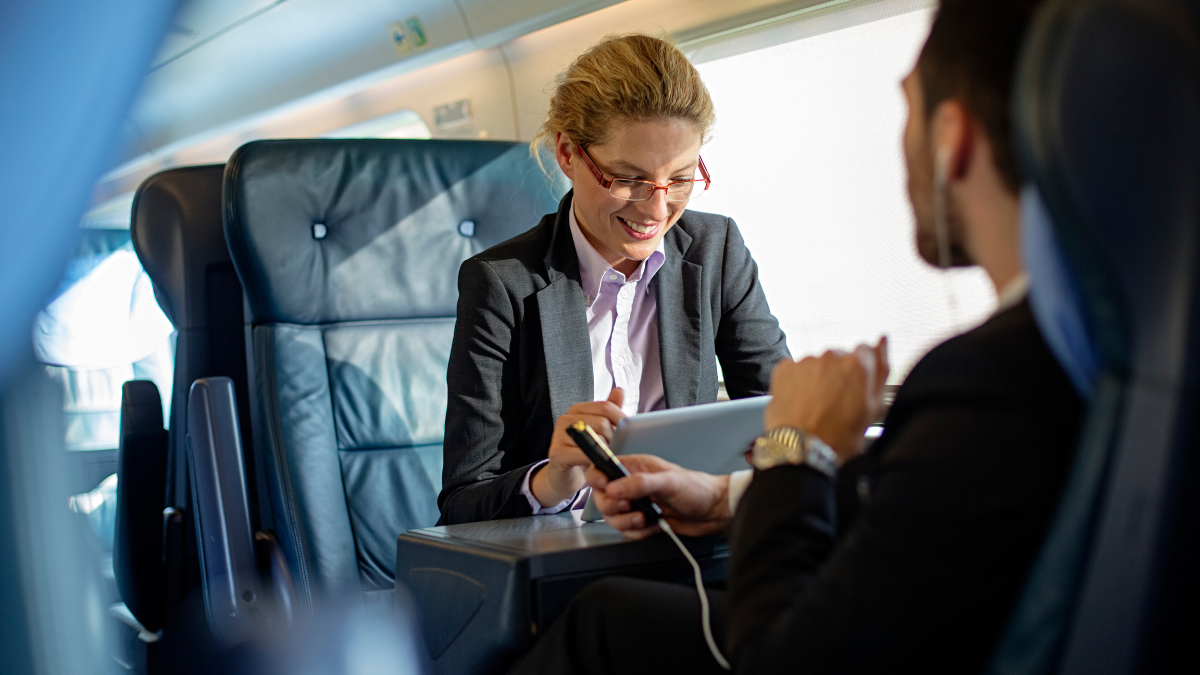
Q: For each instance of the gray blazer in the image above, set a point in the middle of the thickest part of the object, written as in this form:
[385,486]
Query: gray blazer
[521,354]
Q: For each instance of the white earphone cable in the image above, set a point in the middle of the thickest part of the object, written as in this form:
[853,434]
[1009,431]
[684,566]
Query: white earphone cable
[705,616]
[941,226]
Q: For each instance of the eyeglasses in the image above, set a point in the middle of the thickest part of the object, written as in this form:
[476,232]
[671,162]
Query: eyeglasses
[632,190]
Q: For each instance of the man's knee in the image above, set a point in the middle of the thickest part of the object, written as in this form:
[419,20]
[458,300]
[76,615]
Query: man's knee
[606,603]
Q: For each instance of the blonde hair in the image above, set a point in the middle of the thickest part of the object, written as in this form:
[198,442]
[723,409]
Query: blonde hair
[624,77]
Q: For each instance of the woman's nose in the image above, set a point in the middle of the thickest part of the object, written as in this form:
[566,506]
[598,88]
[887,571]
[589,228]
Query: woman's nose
[656,207]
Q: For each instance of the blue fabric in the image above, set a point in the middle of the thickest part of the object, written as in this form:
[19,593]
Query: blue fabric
[1054,296]
[68,71]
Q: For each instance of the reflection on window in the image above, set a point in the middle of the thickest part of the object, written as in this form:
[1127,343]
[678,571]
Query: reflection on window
[101,329]
[807,158]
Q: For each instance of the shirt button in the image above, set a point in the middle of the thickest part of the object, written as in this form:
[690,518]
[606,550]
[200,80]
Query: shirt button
[612,277]
[587,299]
[620,360]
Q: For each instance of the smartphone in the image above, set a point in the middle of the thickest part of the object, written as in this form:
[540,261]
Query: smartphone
[596,449]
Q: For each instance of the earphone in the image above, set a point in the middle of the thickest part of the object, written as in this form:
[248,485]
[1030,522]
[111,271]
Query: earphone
[941,225]
[941,177]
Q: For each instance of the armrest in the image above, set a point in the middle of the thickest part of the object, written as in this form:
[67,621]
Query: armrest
[141,492]
[233,593]
[278,576]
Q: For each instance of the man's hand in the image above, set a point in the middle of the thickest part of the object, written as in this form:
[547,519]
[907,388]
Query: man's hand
[563,476]
[695,503]
[833,397]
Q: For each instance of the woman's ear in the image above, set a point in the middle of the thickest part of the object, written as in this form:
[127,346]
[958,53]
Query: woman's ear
[564,154]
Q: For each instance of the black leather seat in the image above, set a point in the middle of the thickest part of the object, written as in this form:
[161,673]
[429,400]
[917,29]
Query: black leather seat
[177,233]
[349,253]
[141,491]
[1107,114]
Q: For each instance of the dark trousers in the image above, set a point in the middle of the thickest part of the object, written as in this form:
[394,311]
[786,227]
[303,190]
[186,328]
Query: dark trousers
[622,626]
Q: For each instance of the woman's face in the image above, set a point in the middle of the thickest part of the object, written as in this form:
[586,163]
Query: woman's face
[625,232]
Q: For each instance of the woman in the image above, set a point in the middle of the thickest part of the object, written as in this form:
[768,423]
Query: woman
[615,305]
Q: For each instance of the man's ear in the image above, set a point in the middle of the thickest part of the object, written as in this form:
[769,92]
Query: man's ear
[564,153]
[953,136]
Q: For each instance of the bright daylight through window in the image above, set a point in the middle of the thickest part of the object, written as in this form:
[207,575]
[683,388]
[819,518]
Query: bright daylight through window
[807,158]
[102,328]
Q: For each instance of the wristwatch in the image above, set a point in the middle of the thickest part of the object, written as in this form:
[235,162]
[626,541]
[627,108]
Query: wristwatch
[787,445]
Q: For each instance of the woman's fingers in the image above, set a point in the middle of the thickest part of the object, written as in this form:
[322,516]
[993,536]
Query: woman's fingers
[606,409]
[616,396]
[600,424]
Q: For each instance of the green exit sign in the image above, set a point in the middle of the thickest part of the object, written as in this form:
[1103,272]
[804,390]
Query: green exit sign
[416,31]
[408,35]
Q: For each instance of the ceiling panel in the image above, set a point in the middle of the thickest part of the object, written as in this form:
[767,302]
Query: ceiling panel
[286,53]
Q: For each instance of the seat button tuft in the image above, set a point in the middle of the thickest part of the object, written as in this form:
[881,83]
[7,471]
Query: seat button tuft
[467,228]
[319,230]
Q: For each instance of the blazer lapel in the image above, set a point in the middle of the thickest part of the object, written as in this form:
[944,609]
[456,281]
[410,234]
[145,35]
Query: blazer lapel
[565,342]
[678,287]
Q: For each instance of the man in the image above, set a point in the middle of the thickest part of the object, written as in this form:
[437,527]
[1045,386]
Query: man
[908,558]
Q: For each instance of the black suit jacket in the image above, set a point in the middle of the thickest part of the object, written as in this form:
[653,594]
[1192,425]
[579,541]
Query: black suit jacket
[940,521]
[521,354]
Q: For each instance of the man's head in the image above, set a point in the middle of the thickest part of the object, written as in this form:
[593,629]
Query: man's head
[958,139]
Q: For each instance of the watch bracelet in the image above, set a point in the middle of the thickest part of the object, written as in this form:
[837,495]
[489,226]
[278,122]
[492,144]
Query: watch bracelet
[797,448]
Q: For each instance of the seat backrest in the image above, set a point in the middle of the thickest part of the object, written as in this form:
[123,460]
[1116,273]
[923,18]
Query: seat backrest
[177,234]
[137,533]
[349,252]
[1107,120]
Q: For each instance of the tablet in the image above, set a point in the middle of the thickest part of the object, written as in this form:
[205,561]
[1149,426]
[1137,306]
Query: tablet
[712,437]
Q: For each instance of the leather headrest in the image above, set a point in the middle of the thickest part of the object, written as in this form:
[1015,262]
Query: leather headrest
[346,230]
[176,232]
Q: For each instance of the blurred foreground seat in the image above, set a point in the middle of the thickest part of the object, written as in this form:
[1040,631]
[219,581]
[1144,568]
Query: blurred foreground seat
[1107,115]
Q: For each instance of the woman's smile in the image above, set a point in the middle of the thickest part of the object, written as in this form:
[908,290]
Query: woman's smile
[639,231]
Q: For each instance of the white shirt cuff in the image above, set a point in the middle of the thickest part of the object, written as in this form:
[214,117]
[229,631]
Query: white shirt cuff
[538,509]
[738,482]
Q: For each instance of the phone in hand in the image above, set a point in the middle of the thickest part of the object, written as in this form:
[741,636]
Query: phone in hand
[597,451]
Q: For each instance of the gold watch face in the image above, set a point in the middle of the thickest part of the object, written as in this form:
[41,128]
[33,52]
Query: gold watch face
[770,452]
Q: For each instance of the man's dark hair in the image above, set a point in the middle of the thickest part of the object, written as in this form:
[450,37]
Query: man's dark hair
[971,57]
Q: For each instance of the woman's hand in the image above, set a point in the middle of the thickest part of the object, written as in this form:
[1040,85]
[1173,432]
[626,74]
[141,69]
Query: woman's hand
[694,502]
[564,475]
[833,397]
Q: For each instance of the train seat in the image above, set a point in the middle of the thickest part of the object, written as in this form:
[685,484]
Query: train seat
[141,494]
[177,234]
[1107,120]
[349,252]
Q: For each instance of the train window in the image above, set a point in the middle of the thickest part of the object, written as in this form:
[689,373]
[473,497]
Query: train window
[102,328]
[807,158]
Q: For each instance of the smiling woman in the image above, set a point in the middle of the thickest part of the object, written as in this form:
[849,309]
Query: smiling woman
[620,303]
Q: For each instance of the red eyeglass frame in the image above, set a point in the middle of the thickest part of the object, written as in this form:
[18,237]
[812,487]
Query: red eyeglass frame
[607,184]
